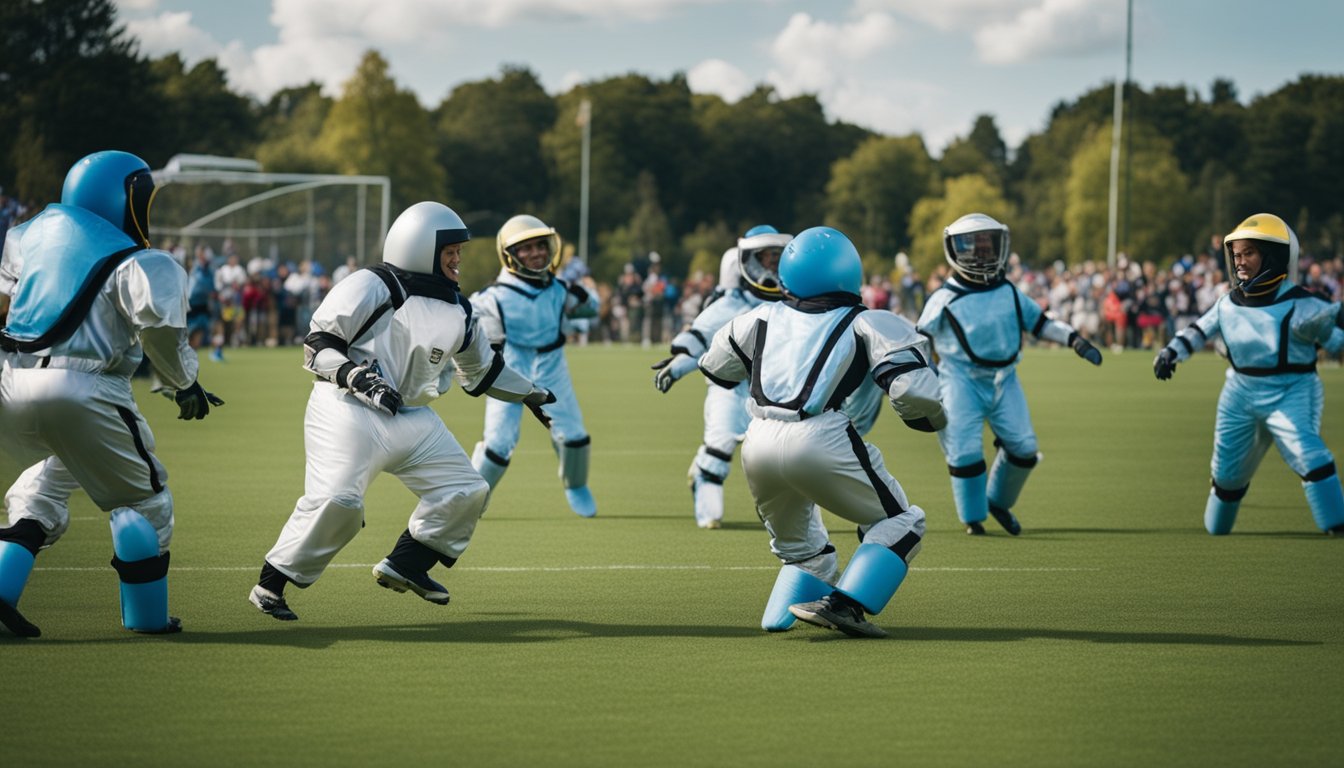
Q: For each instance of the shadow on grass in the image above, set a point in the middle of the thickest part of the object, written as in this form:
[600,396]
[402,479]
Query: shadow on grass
[1005,634]
[493,631]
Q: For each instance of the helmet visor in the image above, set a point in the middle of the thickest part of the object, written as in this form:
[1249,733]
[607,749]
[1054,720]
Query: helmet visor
[760,268]
[977,253]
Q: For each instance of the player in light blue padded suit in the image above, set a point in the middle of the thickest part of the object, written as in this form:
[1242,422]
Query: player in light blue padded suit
[522,312]
[976,321]
[1272,329]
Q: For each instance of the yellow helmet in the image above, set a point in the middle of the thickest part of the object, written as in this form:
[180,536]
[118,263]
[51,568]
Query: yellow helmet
[520,229]
[1279,256]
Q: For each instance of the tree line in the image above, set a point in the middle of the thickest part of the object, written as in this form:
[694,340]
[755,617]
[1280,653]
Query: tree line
[683,173]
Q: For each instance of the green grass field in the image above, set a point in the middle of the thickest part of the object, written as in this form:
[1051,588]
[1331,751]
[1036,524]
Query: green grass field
[1114,631]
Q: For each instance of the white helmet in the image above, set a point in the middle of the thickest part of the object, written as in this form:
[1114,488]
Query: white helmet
[419,235]
[976,246]
[730,275]
[760,279]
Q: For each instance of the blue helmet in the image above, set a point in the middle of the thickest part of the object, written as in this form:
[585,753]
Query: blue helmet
[818,261]
[116,186]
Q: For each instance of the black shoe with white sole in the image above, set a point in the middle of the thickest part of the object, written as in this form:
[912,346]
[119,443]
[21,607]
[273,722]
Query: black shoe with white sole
[389,576]
[837,611]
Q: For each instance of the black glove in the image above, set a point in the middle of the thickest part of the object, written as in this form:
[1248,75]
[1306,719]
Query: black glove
[370,389]
[194,402]
[537,398]
[1164,365]
[1085,349]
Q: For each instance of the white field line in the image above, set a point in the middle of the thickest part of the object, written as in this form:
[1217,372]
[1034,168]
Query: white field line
[587,568]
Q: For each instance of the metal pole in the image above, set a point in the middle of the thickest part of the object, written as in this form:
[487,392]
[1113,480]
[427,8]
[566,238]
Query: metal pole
[387,208]
[1114,199]
[585,120]
[360,215]
[1129,137]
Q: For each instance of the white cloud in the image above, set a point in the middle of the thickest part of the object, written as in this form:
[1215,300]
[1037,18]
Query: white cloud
[719,77]
[949,15]
[1055,28]
[136,5]
[813,56]
[171,32]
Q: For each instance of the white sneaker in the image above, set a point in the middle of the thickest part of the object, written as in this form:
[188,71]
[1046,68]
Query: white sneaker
[708,503]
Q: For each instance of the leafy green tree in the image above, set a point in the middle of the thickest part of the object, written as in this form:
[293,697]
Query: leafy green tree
[202,115]
[648,230]
[638,126]
[377,128]
[972,193]
[705,246]
[1160,200]
[489,134]
[871,192]
[982,152]
[71,82]
[289,124]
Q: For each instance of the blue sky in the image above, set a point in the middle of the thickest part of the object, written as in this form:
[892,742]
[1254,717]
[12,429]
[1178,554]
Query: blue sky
[895,66]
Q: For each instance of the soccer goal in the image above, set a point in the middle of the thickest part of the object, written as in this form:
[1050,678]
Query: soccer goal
[283,216]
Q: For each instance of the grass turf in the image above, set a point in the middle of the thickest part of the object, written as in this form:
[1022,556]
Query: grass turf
[1114,631]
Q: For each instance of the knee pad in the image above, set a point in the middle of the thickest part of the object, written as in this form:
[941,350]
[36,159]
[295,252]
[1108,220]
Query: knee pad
[712,463]
[19,544]
[1007,477]
[969,492]
[574,462]
[490,464]
[873,576]
[1325,496]
[792,585]
[1220,513]
[142,570]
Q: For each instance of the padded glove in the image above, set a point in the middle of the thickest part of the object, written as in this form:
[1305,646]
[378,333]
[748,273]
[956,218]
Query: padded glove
[372,390]
[535,400]
[1164,365]
[194,402]
[1085,349]
[670,369]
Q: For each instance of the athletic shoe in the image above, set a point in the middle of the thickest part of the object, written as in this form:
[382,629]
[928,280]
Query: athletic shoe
[710,524]
[217,355]
[1006,519]
[14,621]
[173,627]
[832,612]
[975,529]
[388,576]
[271,604]
[1337,530]
[581,501]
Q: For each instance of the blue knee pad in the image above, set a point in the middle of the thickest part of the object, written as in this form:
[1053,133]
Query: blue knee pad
[970,495]
[1007,477]
[1326,499]
[142,570]
[16,562]
[1220,514]
[873,575]
[793,585]
[490,464]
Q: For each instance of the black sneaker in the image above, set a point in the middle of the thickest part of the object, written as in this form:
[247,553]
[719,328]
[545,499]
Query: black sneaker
[14,621]
[975,529]
[831,612]
[1006,519]
[388,576]
[271,604]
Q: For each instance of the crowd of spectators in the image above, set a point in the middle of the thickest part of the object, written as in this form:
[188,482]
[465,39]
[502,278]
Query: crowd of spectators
[268,301]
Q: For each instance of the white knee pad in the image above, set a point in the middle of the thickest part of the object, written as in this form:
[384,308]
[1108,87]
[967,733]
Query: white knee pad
[490,464]
[574,457]
[712,463]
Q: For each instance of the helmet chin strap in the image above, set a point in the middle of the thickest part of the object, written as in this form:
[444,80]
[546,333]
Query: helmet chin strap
[1261,284]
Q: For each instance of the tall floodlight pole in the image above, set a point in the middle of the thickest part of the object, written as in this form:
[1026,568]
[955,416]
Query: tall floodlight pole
[1129,137]
[1114,198]
[1117,115]
[584,119]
